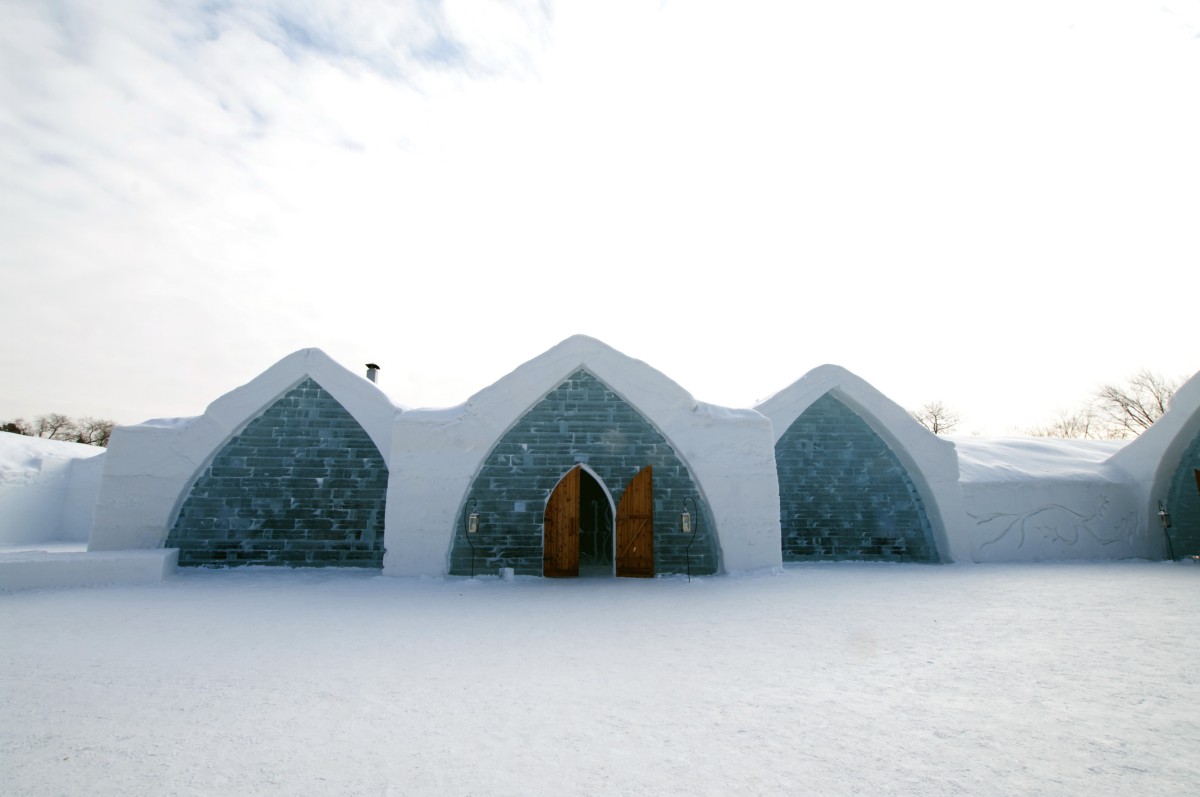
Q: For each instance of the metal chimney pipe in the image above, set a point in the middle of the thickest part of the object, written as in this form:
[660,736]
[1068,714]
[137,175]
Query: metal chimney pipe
[372,369]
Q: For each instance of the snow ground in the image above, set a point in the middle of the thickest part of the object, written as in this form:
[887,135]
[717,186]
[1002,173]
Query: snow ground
[832,679]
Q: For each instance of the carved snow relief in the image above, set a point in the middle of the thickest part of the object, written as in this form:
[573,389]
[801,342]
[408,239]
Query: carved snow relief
[1072,521]
[1058,523]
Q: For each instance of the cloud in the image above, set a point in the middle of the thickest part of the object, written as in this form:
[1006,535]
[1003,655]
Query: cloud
[456,186]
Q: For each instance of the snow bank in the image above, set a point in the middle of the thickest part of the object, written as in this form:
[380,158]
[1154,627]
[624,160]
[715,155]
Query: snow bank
[31,569]
[1031,458]
[47,489]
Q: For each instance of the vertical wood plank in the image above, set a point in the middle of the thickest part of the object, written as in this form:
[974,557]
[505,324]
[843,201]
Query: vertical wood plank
[635,527]
[560,529]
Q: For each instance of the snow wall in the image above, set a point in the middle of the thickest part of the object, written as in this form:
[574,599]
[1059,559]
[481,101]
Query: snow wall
[48,489]
[1032,499]
[871,483]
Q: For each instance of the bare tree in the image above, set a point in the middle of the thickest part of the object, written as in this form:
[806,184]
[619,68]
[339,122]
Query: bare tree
[1116,410]
[55,426]
[1078,424]
[1129,409]
[93,431]
[936,417]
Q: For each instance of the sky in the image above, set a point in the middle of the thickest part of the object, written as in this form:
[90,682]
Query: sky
[994,206]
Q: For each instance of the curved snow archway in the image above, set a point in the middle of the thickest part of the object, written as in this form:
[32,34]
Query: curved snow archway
[889,471]
[568,406]
[1164,462]
[151,468]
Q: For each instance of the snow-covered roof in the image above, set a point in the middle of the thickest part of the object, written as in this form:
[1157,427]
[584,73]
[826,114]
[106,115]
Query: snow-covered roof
[1021,458]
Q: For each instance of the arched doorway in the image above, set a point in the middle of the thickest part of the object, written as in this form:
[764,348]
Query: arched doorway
[577,528]
[595,527]
[581,537]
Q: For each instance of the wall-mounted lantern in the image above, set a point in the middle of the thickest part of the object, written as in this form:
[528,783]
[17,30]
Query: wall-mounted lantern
[1164,517]
[471,521]
[689,524]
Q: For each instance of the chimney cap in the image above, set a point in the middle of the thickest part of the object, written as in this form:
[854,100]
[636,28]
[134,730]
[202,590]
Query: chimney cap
[374,367]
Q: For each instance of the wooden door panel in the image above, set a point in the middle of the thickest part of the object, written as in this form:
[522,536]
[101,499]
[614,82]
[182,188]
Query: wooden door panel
[560,529]
[635,527]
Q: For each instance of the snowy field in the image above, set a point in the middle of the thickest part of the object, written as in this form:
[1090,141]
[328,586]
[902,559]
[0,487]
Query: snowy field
[1050,679]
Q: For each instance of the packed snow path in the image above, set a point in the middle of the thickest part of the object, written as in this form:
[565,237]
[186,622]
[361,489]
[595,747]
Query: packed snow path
[1065,679]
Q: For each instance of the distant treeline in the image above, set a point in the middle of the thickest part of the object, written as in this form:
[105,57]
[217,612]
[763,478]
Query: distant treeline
[56,426]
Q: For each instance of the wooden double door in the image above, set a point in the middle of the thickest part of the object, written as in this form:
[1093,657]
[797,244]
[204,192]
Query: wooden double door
[634,543]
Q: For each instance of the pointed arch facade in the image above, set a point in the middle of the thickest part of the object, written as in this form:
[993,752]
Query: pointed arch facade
[844,494]
[580,403]
[1183,503]
[1164,463]
[859,478]
[302,485]
[580,421]
[289,456]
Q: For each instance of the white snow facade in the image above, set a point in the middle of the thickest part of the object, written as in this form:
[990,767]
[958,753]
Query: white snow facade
[584,461]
